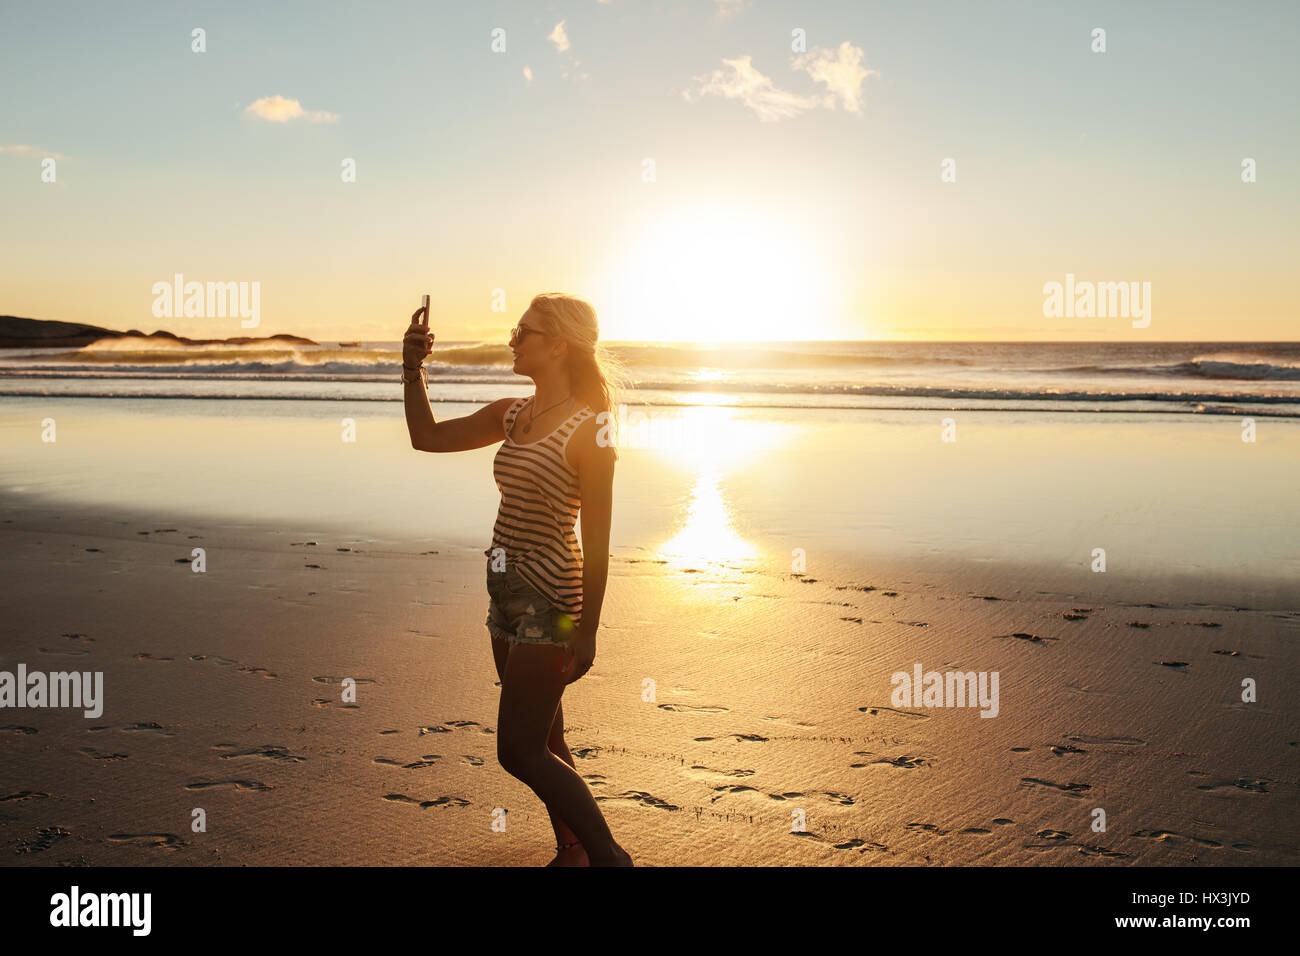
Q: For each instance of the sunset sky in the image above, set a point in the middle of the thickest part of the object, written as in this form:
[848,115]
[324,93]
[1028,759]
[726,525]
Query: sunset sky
[795,195]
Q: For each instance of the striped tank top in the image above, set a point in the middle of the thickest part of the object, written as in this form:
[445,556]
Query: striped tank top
[540,499]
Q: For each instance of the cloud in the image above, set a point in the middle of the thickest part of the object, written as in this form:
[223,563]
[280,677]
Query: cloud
[743,82]
[561,41]
[559,37]
[278,109]
[841,71]
[24,150]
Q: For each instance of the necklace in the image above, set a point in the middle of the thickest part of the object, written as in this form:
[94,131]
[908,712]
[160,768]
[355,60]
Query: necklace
[528,426]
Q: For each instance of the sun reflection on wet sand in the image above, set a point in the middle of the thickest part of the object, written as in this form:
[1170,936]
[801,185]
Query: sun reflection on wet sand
[707,538]
[710,443]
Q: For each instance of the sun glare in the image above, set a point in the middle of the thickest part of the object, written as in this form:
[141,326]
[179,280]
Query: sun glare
[712,445]
[718,273]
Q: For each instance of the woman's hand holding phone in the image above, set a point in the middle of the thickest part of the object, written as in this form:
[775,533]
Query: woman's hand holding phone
[418,341]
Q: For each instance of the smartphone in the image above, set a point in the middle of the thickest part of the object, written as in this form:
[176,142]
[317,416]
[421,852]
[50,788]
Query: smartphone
[424,304]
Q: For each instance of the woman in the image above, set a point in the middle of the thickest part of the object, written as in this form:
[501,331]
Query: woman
[556,457]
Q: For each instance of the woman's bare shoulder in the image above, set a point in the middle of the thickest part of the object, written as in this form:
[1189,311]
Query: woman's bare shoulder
[591,441]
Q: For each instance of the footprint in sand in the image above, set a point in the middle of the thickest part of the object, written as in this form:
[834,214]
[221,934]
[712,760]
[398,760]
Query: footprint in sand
[24,795]
[907,763]
[145,727]
[1241,783]
[447,726]
[862,846]
[732,788]
[1167,836]
[100,755]
[854,843]
[1074,790]
[1089,850]
[698,772]
[694,708]
[791,795]
[428,760]
[45,838]
[227,785]
[340,680]
[1052,835]
[268,751]
[1107,741]
[890,711]
[639,797]
[256,671]
[926,827]
[425,804]
[168,841]
[1022,636]
[228,662]
[1061,750]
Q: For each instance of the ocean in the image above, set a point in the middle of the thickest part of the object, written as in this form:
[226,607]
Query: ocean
[1261,379]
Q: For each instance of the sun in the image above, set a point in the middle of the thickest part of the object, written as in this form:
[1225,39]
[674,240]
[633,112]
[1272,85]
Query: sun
[718,272]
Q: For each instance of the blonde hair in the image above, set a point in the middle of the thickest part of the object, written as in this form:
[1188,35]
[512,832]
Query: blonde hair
[595,375]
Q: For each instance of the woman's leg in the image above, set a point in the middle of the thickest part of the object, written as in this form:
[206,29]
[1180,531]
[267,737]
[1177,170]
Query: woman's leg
[555,743]
[530,698]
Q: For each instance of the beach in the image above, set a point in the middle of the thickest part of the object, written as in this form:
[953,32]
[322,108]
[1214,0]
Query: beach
[952,363]
[743,705]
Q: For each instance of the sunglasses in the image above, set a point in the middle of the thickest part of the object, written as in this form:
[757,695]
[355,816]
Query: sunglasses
[520,332]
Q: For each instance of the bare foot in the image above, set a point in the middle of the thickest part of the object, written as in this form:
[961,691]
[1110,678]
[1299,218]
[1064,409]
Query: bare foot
[620,858]
[574,855]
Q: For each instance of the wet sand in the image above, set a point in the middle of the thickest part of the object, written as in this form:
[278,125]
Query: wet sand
[733,715]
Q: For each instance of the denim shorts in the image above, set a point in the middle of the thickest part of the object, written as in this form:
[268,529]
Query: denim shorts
[517,613]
